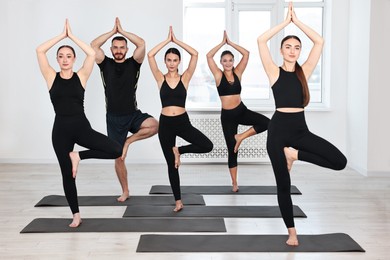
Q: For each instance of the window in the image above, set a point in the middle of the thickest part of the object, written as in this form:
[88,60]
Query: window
[244,21]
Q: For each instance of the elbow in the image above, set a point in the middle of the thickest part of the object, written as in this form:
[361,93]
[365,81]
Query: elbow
[320,41]
[141,43]
[150,55]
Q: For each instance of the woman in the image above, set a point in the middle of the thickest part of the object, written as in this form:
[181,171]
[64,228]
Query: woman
[174,120]
[71,126]
[287,127]
[234,112]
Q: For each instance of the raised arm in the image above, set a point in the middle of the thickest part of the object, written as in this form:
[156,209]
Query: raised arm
[85,71]
[215,70]
[99,41]
[309,65]
[239,69]
[271,69]
[158,75]
[139,52]
[187,73]
[47,71]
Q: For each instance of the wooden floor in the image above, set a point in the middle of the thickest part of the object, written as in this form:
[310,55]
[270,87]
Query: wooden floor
[345,202]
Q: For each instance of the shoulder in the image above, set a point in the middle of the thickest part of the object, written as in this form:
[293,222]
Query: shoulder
[106,60]
[132,61]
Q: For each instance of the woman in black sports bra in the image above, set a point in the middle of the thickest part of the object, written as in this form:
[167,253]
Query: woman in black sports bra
[174,120]
[289,138]
[234,112]
[71,126]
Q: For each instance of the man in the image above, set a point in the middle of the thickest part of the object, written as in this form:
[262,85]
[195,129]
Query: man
[120,79]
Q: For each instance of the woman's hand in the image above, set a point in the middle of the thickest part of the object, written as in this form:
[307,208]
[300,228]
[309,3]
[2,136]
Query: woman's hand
[68,30]
[289,13]
[293,15]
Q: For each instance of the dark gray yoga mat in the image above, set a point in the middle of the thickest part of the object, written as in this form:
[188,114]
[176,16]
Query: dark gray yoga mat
[337,242]
[209,211]
[219,190]
[59,200]
[55,225]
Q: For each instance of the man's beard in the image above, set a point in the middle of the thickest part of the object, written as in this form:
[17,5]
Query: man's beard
[119,56]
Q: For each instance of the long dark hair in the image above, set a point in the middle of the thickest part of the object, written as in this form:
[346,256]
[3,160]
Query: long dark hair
[66,46]
[299,73]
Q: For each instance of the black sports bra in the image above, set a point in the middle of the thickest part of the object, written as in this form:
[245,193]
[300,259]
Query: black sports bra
[226,88]
[287,90]
[173,96]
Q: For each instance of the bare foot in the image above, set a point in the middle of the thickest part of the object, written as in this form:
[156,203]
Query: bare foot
[124,151]
[292,237]
[76,221]
[235,187]
[291,156]
[177,156]
[179,206]
[239,139]
[75,158]
[123,197]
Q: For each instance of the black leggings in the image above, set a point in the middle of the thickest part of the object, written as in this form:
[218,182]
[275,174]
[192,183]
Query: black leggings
[290,130]
[169,128]
[240,115]
[71,130]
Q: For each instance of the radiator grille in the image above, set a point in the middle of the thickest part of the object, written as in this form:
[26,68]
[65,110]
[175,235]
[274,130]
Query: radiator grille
[252,149]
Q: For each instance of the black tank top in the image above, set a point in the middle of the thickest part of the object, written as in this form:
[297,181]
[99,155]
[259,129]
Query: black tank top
[226,88]
[287,90]
[67,95]
[173,96]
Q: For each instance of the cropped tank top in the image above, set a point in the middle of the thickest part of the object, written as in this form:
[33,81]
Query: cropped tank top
[287,90]
[67,95]
[173,96]
[226,88]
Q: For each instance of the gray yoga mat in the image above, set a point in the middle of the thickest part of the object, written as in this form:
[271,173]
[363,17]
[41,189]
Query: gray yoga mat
[59,200]
[337,242]
[210,211]
[56,225]
[219,190]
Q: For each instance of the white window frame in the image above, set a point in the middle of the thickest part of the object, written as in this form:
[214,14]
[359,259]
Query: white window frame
[277,9]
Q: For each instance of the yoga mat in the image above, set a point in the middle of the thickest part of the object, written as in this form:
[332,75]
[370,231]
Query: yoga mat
[337,242]
[58,200]
[219,190]
[209,211]
[55,225]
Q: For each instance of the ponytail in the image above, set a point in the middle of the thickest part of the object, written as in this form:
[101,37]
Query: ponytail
[305,87]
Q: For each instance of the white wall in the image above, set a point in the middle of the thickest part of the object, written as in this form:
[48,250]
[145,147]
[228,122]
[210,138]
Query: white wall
[379,90]
[358,68]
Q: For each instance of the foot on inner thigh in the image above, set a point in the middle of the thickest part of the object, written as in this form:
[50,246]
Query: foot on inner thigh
[75,159]
[238,139]
[291,156]
[177,156]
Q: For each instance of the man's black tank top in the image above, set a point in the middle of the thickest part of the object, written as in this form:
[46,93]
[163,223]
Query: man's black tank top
[287,90]
[226,88]
[67,95]
[173,96]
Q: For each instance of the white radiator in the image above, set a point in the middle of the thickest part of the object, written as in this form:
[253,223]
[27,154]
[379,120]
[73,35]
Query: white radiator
[252,149]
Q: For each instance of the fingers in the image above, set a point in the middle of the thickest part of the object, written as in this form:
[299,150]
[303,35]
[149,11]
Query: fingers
[224,36]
